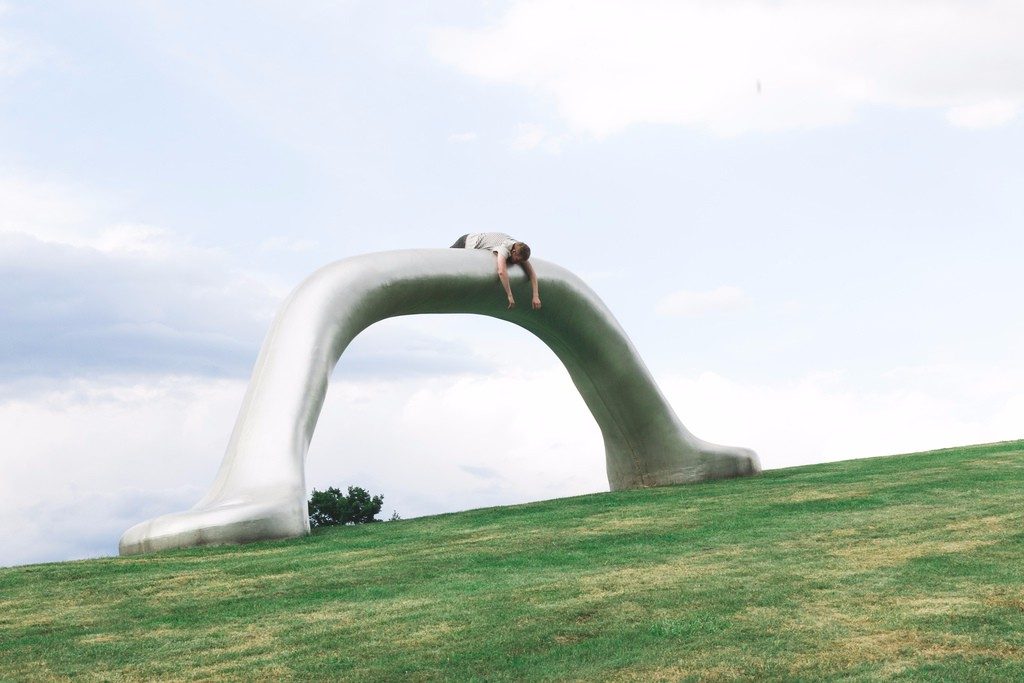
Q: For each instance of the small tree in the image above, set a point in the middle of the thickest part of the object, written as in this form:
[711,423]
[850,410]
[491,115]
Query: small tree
[330,507]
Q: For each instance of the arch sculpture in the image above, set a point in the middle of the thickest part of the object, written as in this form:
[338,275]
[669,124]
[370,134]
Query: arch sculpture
[260,492]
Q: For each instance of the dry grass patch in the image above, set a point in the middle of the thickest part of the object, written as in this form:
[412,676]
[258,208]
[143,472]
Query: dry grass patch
[678,672]
[852,635]
[99,638]
[474,539]
[217,555]
[242,640]
[55,612]
[429,635]
[397,608]
[931,605]
[243,668]
[998,599]
[988,526]
[661,575]
[610,522]
[210,583]
[332,613]
[229,650]
[999,463]
[898,649]
[815,495]
[876,553]
[341,615]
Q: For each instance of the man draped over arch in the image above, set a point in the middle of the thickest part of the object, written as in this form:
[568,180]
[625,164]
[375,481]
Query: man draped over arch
[506,250]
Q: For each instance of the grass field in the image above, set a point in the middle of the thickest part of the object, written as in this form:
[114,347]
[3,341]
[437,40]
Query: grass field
[907,567]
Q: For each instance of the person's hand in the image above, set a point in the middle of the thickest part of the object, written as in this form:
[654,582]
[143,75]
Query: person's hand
[536,303]
[511,303]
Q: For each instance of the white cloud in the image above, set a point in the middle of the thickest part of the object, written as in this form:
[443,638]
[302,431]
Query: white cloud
[690,304]
[463,137]
[738,66]
[529,136]
[984,114]
[288,244]
[437,444]
[288,95]
[60,213]
[136,300]
[134,239]
[17,53]
[826,417]
[82,294]
[84,459]
[51,211]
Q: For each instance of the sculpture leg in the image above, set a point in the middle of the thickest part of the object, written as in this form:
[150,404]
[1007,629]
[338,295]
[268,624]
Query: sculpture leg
[645,443]
[259,492]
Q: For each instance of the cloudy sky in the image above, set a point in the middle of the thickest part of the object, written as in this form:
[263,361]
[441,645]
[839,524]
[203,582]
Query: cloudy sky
[807,216]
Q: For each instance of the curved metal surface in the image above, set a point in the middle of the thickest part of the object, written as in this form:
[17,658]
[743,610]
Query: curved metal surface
[260,490]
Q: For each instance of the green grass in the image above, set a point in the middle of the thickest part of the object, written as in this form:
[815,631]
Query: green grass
[908,567]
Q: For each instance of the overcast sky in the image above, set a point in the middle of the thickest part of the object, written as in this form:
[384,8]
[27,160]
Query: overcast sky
[807,216]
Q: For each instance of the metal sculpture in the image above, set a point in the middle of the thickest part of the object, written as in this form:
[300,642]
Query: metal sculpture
[260,490]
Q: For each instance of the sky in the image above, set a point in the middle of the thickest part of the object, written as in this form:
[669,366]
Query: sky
[806,215]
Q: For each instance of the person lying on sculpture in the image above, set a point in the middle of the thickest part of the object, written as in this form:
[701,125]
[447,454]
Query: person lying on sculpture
[507,250]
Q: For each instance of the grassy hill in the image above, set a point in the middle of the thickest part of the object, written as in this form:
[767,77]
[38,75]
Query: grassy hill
[905,567]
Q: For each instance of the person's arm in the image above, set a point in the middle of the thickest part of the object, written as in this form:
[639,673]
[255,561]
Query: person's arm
[533,283]
[503,276]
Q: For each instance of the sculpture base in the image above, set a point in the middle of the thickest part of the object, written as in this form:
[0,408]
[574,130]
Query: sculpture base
[711,462]
[217,524]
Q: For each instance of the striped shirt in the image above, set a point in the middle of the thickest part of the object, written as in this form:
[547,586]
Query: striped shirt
[498,242]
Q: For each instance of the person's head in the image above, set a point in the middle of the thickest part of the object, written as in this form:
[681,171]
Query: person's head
[519,252]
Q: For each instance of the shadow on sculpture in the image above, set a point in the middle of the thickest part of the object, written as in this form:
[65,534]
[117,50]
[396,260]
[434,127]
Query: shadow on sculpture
[260,490]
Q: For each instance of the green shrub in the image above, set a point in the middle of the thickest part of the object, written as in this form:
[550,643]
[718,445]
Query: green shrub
[330,507]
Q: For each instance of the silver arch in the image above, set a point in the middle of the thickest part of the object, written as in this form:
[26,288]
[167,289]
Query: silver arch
[260,490]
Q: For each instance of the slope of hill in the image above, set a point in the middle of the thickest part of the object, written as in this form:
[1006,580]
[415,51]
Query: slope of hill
[908,567]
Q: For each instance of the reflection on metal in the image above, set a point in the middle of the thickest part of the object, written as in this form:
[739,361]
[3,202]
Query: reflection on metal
[260,491]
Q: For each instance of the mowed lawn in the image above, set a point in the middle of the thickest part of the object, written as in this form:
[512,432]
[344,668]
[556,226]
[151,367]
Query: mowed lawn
[906,567]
